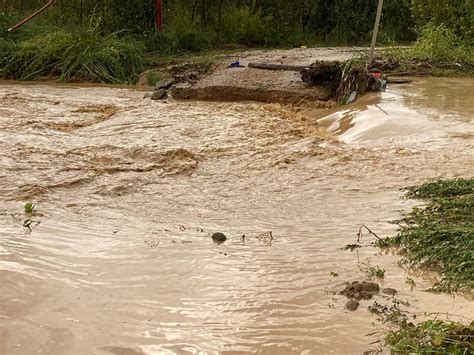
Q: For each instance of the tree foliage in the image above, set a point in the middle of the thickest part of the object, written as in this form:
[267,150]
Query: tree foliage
[342,21]
[457,15]
[198,24]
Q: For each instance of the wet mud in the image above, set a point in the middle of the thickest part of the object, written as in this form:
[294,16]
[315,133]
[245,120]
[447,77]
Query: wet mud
[130,192]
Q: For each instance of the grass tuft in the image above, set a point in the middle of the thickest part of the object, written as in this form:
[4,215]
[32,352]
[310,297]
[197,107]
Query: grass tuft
[442,188]
[80,56]
[432,337]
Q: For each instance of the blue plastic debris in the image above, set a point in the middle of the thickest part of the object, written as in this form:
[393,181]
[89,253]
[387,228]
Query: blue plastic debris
[235,64]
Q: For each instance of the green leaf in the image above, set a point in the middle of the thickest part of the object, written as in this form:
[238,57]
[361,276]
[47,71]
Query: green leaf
[29,207]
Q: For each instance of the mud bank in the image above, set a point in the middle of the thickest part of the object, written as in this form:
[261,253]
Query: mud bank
[130,192]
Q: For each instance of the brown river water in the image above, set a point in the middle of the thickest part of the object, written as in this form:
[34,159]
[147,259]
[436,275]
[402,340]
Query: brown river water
[128,191]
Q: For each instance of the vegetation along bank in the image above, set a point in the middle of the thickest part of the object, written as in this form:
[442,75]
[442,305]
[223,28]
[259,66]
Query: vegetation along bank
[438,236]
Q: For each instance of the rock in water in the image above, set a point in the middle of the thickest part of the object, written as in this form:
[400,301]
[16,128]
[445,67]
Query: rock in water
[352,305]
[389,291]
[218,238]
[160,94]
[361,290]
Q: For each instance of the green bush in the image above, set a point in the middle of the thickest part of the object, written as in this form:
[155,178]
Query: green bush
[241,26]
[38,56]
[191,35]
[432,337]
[7,48]
[162,43]
[154,78]
[195,39]
[84,56]
[458,15]
[440,43]
[102,59]
[440,236]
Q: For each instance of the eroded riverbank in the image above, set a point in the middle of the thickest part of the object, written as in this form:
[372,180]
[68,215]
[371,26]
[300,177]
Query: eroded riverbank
[130,189]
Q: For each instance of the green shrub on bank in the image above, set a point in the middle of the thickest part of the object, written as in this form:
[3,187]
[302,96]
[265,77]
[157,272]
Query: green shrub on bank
[448,53]
[432,337]
[440,236]
[458,15]
[38,56]
[442,188]
[161,43]
[102,59]
[440,43]
[80,56]
[7,48]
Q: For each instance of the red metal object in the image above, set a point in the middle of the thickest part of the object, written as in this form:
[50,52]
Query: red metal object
[159,15]
[36,13]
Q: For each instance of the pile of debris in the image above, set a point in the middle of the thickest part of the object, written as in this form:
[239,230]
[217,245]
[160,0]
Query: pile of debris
[341,81]
[347,80]
[160,91]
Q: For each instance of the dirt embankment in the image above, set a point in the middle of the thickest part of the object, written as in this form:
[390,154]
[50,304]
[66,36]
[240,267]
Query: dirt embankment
[220,82]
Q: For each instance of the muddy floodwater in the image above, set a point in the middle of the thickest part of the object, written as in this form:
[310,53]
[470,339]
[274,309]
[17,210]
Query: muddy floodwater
[128,192]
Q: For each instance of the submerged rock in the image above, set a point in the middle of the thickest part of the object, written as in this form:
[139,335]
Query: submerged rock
[160,94]
[352,305]
[219,238]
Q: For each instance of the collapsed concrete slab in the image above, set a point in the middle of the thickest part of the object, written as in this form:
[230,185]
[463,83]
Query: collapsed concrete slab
[249,84]
[235,83]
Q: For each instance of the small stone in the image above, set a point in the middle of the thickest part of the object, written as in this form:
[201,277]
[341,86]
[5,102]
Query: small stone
[219,238]
[164,84]
[192,77]
[352,305]
[361,290]
[389,291]
[161,94]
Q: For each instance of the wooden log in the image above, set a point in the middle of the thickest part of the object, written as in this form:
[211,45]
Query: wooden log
[284,67]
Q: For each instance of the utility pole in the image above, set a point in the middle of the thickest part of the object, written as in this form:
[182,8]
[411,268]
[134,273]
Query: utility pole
[376,31]
[159,15]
